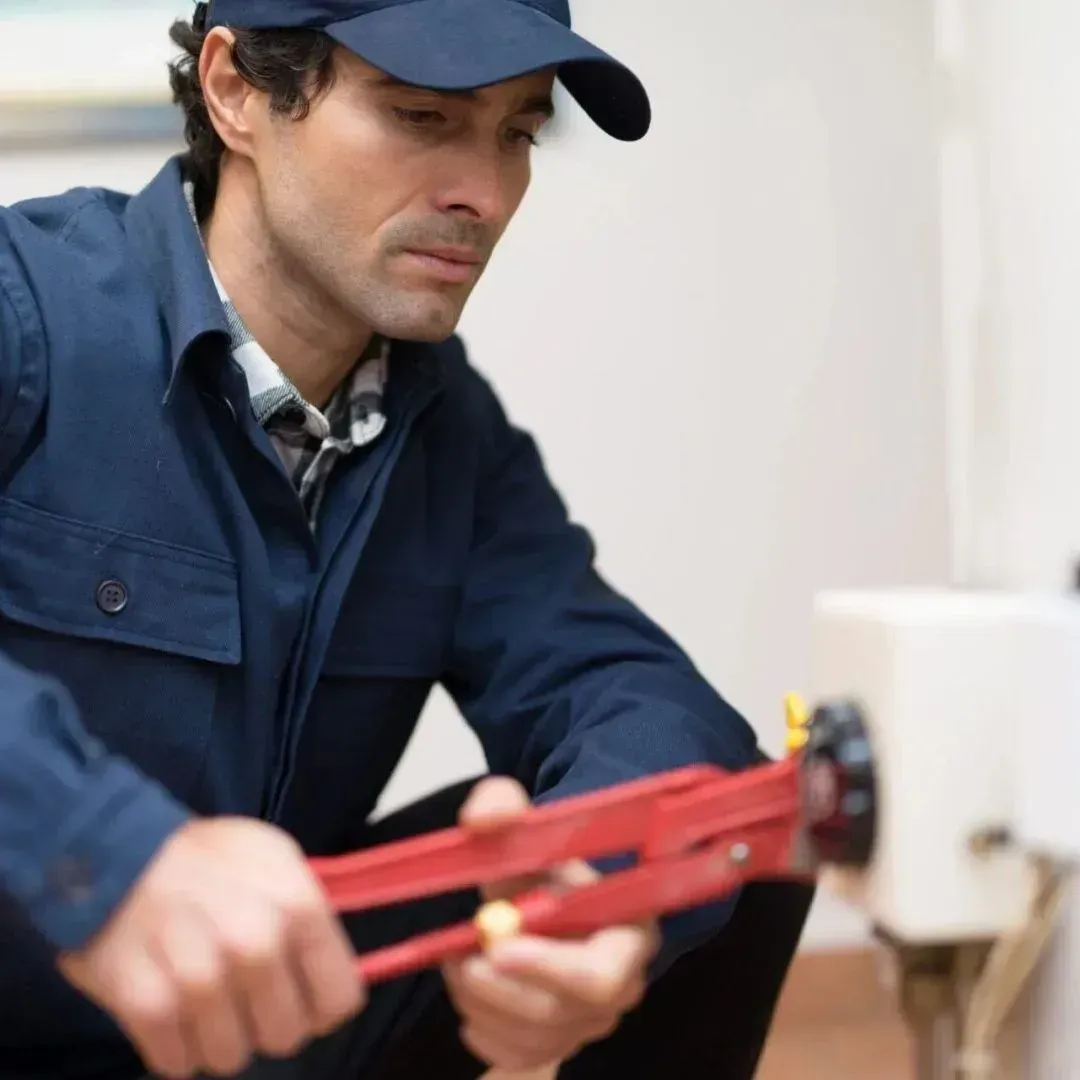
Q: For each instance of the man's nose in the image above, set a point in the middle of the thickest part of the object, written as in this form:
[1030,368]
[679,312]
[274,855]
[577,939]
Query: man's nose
[479,190]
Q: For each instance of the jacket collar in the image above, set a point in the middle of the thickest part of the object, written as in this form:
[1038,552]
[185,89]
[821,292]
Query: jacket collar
[168,244]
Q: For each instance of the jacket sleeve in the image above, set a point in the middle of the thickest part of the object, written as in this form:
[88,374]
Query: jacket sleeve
[568,685]
[77,825]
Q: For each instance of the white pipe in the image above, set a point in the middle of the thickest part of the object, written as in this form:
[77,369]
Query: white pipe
[961,285]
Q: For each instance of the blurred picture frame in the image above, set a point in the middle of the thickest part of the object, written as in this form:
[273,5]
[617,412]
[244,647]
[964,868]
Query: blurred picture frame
[86,71]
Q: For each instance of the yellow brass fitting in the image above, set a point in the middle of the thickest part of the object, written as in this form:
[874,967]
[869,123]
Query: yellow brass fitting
[798,723]
[497,921]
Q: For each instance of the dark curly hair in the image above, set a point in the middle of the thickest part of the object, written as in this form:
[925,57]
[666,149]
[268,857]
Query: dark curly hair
[293,67]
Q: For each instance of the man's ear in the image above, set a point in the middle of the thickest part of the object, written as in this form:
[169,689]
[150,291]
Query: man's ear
[229,97]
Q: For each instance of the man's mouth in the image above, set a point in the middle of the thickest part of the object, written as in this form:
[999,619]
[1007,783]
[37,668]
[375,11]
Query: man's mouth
[453,264]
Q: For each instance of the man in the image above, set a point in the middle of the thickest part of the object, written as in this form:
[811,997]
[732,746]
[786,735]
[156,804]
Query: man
[256,503]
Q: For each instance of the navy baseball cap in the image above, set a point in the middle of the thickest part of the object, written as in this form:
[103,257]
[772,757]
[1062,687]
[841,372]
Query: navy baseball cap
[461,45]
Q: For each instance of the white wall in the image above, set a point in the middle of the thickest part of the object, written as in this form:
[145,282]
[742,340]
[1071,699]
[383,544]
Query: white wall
[1015,69]
[725,337]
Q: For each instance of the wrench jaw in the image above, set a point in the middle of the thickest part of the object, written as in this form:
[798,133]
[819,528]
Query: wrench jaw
[838,787]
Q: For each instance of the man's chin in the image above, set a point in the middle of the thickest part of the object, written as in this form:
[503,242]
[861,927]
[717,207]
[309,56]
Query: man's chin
[424,337]
[431,320]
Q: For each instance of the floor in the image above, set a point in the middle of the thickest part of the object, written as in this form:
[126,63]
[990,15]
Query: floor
[873,1051]
[837,1021]
[877,1051]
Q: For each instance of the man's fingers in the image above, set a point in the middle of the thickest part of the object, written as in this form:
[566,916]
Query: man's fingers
[508,888]
[260,969]
[490,1049]
[477,988]
[226,947]
[605,971]
[512,1059]
[641,941]
[529,1026]
[209,1010]
[574,875]
[492,803]
[533,999]
[148,1004]
[496,802]
[326,966]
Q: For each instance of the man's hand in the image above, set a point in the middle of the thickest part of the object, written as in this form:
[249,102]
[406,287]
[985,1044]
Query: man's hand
[533,1002]
[225,947]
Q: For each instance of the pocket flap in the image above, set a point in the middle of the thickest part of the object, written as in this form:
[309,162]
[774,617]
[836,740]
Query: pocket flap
[68,577]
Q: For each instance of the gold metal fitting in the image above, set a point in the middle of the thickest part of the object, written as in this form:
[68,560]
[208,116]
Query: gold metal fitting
[798,723]
[497,921]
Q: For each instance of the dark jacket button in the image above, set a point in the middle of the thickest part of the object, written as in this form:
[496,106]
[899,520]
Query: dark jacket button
[112,597]
[72,880]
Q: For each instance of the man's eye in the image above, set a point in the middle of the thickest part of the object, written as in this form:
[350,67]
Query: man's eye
[419,117]
[521,138]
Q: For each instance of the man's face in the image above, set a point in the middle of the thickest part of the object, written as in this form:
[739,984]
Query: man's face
[390,199]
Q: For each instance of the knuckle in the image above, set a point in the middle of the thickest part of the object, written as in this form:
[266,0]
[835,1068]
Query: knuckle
[228,1061]
[151,1011]
[343,1002]
[335,999]
[304,916]
[547,1013]
[602,989]
[257,952]
[259,944]
[170,1065]
[306,904]
[284,1039]
[202,984]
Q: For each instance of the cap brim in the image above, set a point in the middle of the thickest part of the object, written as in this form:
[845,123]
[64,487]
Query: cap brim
[470,44]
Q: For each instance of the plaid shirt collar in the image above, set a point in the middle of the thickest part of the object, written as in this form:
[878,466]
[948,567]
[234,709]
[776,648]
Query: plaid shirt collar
[308,441]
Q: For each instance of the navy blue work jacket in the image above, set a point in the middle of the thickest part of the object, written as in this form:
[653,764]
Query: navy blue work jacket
[175,640]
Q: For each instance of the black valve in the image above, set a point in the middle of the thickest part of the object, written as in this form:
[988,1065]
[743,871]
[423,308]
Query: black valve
[839,786]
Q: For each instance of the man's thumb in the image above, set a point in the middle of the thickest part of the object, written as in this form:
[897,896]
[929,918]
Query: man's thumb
[493,803]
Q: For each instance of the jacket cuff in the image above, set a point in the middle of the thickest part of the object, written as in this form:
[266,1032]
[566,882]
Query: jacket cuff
[120,824]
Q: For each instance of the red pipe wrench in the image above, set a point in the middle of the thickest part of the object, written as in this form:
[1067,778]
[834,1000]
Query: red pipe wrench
[698,834]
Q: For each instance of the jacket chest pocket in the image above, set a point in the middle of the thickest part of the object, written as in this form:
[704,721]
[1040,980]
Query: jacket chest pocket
[140,632]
